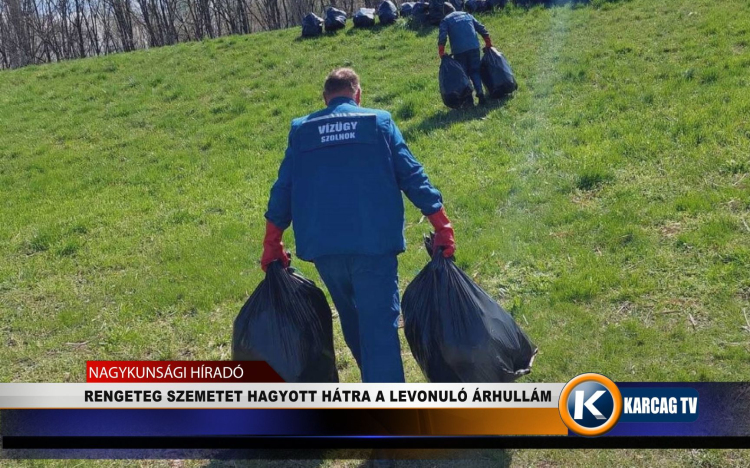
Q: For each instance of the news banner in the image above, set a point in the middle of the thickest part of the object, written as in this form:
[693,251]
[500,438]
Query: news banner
[231,405]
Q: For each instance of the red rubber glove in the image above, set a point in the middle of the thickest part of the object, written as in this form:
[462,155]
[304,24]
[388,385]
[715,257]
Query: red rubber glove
[273,248]
[443,233]
[488,41]
[441,50]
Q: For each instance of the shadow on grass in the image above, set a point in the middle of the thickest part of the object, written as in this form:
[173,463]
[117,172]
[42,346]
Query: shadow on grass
[312,458]
[308,38]
[450,117]
[374,29]
[552,3]
[422,29]
[453,458]
[403,458]
[325,33]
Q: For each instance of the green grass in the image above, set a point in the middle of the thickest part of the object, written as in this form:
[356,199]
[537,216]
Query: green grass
[606,205]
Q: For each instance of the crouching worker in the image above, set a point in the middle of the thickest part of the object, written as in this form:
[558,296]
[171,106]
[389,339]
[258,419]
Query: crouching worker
[462,28]
[340,183]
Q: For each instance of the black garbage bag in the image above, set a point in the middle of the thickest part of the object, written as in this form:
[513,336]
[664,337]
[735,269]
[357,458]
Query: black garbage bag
[496,74]
[457,332]
[457,4]
[387,12]
[476,6]
[335,19]
[435,12]
[419,13]
[364,18]
[312,25]
[287,323]
[455,86]
[406,8]
[496,4]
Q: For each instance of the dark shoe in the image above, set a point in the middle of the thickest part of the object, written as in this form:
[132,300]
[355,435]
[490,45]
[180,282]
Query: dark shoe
[482,100]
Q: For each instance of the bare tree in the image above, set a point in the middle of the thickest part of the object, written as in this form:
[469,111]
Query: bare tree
[19,50]
[38,31]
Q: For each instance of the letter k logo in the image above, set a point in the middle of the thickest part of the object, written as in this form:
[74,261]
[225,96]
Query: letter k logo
[589,404]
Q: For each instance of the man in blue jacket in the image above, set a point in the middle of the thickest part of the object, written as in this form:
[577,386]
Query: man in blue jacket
[462,28]
[340,182]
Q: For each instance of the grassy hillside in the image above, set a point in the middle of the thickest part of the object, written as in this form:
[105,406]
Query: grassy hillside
[606,205]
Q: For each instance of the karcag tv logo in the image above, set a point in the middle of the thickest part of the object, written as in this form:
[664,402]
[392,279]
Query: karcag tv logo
[590,404]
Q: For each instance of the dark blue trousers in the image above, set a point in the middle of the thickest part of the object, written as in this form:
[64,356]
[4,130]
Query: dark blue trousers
[364,289]
[471,62]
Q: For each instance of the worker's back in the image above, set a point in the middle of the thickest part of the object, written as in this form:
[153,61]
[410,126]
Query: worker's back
[460,28]
[345,196]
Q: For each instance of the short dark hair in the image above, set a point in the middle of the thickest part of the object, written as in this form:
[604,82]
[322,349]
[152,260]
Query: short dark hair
[339,80]
[448,9]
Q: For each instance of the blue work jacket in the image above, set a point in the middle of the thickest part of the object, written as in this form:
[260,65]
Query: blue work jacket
[340,183]
[461,28]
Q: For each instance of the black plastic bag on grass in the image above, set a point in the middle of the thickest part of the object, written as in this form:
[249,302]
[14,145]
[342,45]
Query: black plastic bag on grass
[364,18]
[457,332]
[406,8]
[387,12]
[455,86]
[435,12]
[287,323]
[335,19]
[312,25]
[492,4]
[419,13]
[477,6]
[496,74]
[458,4]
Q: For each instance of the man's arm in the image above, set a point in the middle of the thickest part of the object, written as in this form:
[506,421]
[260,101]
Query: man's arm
[442,37]
[479,27]
[411,177]
[413,181]
[279,213]
[280,201]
